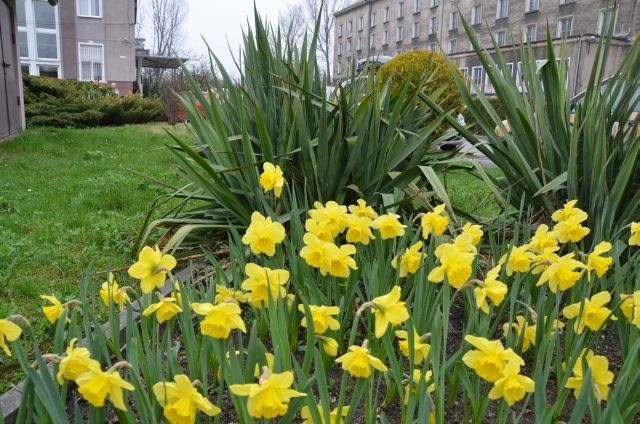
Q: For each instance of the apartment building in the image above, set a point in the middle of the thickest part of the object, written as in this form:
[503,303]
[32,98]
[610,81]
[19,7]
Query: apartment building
[89,40]
[388,27]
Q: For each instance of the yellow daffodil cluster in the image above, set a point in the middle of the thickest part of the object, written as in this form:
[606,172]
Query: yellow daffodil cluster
[9,332]
[601,377]
[323,320]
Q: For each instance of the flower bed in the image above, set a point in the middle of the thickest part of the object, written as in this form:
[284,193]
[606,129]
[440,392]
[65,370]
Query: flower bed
[349,313]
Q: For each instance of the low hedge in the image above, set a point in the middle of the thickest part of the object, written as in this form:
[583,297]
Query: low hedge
[65,103]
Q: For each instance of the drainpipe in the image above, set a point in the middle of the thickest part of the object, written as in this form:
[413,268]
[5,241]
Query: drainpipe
[578,66]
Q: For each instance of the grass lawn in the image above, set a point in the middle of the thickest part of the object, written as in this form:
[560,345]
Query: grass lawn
[68,198]
[470,194]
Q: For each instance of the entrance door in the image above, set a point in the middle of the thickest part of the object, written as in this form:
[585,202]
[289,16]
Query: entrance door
[9,101]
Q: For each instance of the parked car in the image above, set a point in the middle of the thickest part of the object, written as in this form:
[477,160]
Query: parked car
[371,63]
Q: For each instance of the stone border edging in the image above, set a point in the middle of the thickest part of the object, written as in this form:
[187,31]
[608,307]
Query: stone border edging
[10,401]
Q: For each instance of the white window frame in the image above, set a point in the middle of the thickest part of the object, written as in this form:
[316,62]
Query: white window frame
[434,3]
[605,15]
[433,46]
[465,75]
[338,68]
[560,33]
[385,37]
[453,45]
[386,14]
[349,28]
[400,9]
[531,6]
[104,66]
[372,40]
[33,61]
[399,34]
[360,23]
[476,14]
[339,49]
[359,45]
[415,33]
[525,33]
[454,19]
[98,16]
[501,37]
[349,48]
[417,6]
[374,19]
[433,25]
[475,72]
[502,9]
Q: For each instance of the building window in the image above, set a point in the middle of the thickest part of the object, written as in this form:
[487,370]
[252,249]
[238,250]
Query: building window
[510,68]
[604,20]
[433,25]
[417,5]
[359,43]
[350,28]
[501,37]
[24,43]
[91,62]
[454,18]
[45,15]
[531,5]
[530,32]
[339,49]
[453,45]
[47,45]
[502,9]
[90,8]
[476,78]
[433,46]
[386,14]
[400,9]
[416,30]
[48,71]
[340,30]
[385,37]
[476,14]
[564,26]
[400,34]
[360,23]
[465,74]
[349,47]
[339,68]
[434,3]
[372,41]
[373,19]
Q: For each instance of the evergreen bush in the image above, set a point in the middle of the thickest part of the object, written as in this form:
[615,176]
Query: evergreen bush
[80,104]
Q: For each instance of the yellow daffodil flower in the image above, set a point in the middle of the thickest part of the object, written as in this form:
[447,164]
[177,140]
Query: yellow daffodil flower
[9,332]
[358,362]
[363,210]
[571,229]
[305,414]
[543,239]
[54,311]
[455,264]
[75,363]
[315,250]
[219,319]
[272,178]
[412,385]
[180,400]
[568,211]
[165,309]
[594,313]
[151,268]
[389,226]
[490,358]
[388,309]
[634,239]
[562,274]
[338,261]
[410,260]
[329,345]
[319,229]
[630,307]
[434,222]
[518,259]
[598,263]
[420,349]
[601,377]
[96,385]
[322,317]
[224,293]
[270,397]
[544,259]
[359,229]
[264,282]
[512,386]
[490,288]
[263,235]
[475,231]
[331,216]
[524,331]
[112,293]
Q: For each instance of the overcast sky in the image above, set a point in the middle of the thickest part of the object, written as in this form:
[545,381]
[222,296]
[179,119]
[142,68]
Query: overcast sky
[220,23]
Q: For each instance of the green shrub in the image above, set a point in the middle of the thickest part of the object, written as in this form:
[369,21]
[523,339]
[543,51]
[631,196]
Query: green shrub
[426,69]
[66,103]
